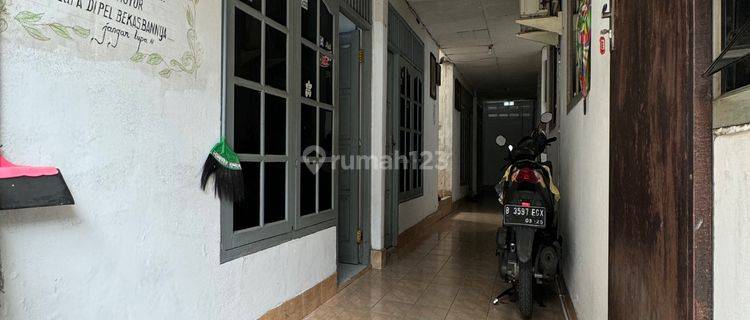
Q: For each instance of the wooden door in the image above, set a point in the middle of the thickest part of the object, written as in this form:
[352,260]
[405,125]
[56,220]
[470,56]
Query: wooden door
[660,161]
[350,222]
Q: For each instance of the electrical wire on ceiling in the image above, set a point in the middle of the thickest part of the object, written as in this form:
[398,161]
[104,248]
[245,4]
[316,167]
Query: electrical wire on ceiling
[472,60]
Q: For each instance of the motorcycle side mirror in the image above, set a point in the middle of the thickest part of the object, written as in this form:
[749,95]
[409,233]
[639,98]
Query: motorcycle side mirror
[500,140]
[546,117]
[510,147]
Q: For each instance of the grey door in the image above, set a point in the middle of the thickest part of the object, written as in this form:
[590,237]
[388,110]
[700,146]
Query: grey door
[349,223]
[391,200]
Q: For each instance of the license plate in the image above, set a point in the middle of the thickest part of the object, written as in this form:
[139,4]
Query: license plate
[514,215]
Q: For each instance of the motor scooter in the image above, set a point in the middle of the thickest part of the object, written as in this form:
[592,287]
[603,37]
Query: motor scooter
[528,245]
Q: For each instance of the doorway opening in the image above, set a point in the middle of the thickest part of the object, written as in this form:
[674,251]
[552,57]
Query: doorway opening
[351,251]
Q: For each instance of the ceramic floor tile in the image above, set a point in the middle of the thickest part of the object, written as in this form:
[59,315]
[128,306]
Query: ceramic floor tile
[426,313]
[440,296]
[392,308]
[450,274]
[406,291]
[461,313]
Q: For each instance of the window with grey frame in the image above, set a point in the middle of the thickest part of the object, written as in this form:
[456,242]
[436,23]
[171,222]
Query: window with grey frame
[264,112]
[411,137]
[735,14]
[316,187]
[408,66]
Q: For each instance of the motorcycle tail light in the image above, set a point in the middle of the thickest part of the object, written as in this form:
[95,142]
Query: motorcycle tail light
[527,175]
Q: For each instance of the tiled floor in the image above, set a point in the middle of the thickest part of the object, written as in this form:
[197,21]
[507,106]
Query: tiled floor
[451,274]
[345,271]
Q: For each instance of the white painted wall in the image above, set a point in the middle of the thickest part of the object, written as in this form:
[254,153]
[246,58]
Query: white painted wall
[731,223]
[584,184]
[142,242]
[378,120]
[413,211]
[731,196]
[450,133]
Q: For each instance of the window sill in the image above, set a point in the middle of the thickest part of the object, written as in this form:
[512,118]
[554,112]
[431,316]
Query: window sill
[408,196]
[732,108]
[254,247]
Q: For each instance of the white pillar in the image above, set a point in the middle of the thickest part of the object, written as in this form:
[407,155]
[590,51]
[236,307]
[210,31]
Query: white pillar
[378,120]
[445,129]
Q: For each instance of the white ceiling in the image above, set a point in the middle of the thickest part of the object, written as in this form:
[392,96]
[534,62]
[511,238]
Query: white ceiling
[465,29]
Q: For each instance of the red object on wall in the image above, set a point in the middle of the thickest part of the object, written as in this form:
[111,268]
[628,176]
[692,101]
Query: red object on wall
[602,45]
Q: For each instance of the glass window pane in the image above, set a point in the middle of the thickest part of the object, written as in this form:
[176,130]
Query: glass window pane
[255,4]
[401,81]
[275,58]
[408,84]
[307,191]
[247,212]
[326,131]
[246,120]
[308,119]
[247,38]
[415,110]
[402,142]
[326,28]
[401,165]
[309,61]
[408,148]
[309,19]
[325,187]
[402,111]
[736,13]
[416,89]
[276,10]
[415,144]
[274,192]
[275,137]
[326,79]
[407,121]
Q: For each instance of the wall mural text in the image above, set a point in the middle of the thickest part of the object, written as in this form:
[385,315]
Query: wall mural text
[142,31]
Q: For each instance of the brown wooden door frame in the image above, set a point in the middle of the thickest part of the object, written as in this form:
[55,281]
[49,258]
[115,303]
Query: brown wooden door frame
[661,166]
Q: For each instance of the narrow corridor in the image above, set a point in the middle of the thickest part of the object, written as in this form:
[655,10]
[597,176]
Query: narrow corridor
[452,274]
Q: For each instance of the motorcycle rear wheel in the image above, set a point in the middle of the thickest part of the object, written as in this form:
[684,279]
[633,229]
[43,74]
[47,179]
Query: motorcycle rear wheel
[525,289]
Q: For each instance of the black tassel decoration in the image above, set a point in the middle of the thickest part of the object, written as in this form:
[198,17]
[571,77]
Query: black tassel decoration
[224,165]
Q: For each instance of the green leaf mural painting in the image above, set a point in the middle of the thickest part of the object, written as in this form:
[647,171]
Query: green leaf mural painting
[115,26]
[32,23]
[187,63]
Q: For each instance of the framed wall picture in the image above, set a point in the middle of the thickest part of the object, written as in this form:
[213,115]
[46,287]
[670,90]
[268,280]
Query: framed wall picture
[583,46]
[457,90]
[439,72]
[434,76]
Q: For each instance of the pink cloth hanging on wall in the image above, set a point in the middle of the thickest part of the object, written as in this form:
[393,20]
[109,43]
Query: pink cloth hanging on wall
[10,170]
